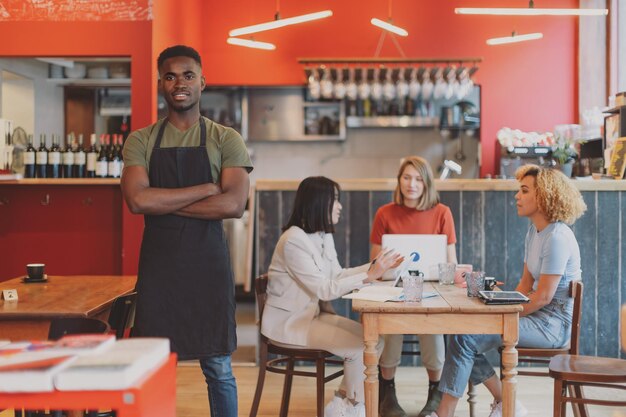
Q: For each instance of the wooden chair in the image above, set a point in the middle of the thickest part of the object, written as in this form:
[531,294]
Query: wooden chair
[578,371]
[285,360]
[543,356]
[122,315]
[75,325]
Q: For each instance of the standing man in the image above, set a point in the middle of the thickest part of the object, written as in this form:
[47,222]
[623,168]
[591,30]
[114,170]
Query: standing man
[185,174]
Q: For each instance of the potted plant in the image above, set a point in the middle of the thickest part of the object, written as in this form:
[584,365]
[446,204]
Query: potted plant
[564,154]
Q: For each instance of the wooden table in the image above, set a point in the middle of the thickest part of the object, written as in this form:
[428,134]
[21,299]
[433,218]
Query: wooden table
[61,296]
[154,395]
[452,312]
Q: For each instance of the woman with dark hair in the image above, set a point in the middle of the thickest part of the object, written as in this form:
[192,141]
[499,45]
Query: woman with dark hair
[551,261]
[305,275]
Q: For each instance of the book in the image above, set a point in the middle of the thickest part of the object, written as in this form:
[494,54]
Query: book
[118,367]
[31,370]
[84,344]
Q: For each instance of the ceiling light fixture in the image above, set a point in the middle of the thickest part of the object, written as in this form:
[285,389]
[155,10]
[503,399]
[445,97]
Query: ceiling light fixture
[530,11]
[514,38]
[249,43]
[278,23]
[388,26]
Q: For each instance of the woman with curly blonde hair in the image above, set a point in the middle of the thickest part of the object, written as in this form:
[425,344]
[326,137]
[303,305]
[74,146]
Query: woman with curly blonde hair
[551,262]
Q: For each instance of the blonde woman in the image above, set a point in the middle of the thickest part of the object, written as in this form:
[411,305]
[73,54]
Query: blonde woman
[415,210]
[551,261]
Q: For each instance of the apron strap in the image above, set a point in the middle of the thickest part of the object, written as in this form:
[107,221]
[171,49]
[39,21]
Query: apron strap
[157,144]
[202,133]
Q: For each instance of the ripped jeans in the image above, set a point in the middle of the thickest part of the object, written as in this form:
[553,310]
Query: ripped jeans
[547,328]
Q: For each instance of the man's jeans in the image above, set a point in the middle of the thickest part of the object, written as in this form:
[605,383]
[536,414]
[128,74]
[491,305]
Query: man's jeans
[221,385]
[465,360]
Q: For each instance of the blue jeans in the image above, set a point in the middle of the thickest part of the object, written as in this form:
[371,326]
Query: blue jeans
[465,359]
[221,385]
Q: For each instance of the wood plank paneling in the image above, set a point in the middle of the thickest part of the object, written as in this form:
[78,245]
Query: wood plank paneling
[471,226]
[586,232]
[513,242]
[608,278]
[495,234]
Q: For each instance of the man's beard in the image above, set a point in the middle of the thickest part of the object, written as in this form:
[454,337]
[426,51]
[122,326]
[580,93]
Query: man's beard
[183,109]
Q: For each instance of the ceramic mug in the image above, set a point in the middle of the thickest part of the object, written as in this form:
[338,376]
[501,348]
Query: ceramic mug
[461,269]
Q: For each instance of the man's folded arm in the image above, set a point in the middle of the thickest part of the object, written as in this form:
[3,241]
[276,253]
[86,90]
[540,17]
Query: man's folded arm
[143,199]
[230,203]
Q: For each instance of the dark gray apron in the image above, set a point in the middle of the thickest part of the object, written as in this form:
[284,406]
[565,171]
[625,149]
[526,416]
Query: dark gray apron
[185,285]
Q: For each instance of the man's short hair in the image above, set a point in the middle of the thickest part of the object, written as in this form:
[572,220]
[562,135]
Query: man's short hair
[176,51]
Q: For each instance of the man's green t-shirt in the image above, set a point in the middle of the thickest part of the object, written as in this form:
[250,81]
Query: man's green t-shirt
[225,147]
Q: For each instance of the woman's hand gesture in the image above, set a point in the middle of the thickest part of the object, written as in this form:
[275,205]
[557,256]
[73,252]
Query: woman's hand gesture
[385,260]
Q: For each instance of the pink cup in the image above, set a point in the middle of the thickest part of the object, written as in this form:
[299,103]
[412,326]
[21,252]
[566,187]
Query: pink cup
[459,278]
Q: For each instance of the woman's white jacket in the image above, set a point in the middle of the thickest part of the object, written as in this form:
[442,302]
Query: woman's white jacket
[304,271]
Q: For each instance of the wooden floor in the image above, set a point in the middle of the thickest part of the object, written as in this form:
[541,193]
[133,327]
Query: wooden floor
[534,392]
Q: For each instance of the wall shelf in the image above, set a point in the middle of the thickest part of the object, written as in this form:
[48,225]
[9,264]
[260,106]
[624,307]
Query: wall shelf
[91,82]
[62,181]
[392,121]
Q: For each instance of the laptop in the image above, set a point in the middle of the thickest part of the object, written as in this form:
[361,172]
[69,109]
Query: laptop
[423,252]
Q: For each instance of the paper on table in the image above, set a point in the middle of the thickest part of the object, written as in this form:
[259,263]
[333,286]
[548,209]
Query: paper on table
[382,293]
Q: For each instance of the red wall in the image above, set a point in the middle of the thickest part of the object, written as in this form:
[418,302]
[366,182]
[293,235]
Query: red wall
[531,86]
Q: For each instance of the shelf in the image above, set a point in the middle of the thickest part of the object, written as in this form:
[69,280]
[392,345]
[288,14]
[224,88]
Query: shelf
[91,82]
[62,181]
[392,121]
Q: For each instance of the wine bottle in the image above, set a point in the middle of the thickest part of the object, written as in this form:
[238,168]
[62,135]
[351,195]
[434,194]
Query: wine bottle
[41,157]
[29,159]
[80,159]
[68,157]
[113,160]
[120,151]
[102,163]
[92,157]
[54,159]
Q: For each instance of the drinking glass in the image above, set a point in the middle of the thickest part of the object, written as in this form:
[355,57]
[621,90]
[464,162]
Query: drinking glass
[446,273]
[413,288]
[475,282]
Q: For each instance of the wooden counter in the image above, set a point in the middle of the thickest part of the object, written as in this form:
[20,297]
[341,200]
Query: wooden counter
[389,184]
[62,181]
[29,317]
[490,236]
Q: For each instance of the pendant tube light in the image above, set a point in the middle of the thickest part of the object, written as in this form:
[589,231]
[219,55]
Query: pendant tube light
[389,27]
[249,43]
[278,23]
[514,38]
[510,11]
[529,11]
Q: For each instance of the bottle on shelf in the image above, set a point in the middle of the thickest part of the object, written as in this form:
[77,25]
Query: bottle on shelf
[80,159]
[114,160]
[92,157]
[54,159]
[120,152]
[41,157]
[68,157]
[29,159]
[102,165]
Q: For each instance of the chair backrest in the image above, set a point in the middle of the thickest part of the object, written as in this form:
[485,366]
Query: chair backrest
[260,289]
[122,315]
[576,292]
[75,325]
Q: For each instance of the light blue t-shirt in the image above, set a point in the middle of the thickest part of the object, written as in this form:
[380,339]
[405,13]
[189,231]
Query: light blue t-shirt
[553,251]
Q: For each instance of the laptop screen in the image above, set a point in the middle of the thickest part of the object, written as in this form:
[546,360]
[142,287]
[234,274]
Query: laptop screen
[423,252]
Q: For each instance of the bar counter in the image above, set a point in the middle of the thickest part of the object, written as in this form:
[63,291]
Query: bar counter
[490,236]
